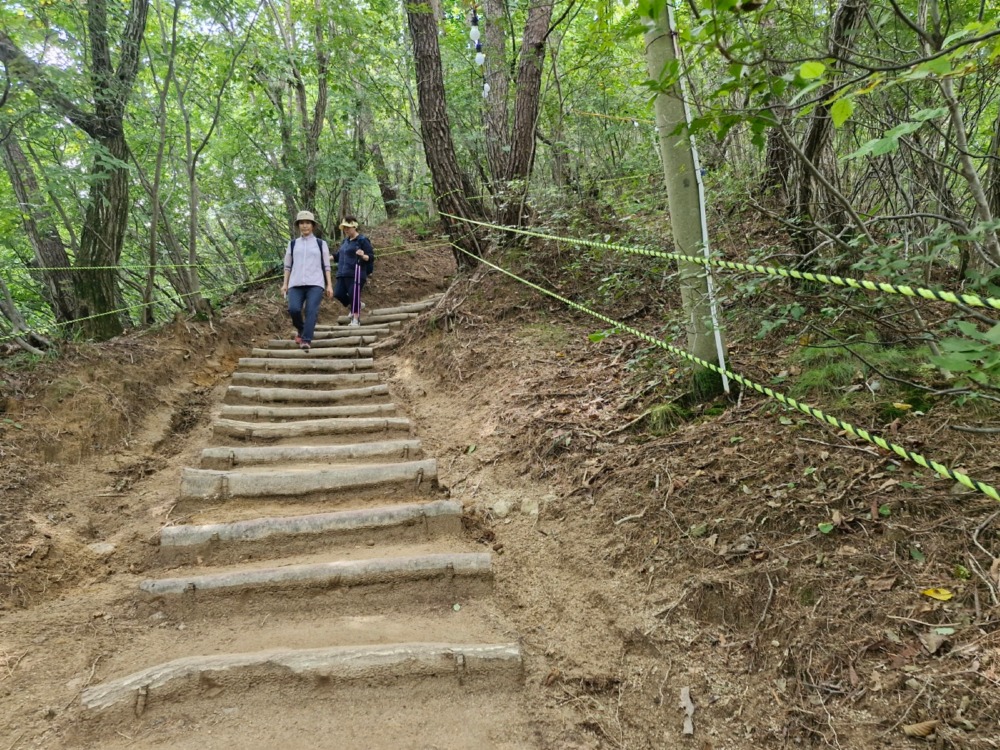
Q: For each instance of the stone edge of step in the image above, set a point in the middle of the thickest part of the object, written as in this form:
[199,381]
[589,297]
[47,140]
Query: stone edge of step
[332,573]
[337,662]
[315,523]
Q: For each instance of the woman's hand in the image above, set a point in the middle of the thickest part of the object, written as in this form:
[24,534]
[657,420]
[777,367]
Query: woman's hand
[329,291]
[284,290]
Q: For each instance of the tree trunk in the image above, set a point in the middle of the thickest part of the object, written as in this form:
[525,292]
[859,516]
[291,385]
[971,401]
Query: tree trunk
[435,131]
[45,240]
[685,206]
[529,85]
[993,170]
[22,336]
[497,75]
[107,204]
[844,26]
[526,104]
[390,199]
[102,238]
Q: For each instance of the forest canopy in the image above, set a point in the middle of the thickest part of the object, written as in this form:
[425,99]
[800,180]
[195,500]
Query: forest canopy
[155,151]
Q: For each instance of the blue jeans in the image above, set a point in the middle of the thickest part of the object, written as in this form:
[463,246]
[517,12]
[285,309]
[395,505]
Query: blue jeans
[309,297]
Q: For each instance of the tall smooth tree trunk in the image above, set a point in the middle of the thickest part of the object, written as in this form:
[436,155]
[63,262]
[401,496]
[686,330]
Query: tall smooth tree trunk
[299,150]
[529,86]
[685,206]
[49,251]
[511,148]
[161,119]
[435,131]
[497,74]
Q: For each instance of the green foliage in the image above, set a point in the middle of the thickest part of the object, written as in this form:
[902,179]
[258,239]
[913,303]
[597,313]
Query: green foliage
[829,368]
[974,359]
[665,418]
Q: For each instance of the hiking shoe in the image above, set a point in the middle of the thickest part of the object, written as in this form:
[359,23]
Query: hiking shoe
[298,339]
[354,322]
[363,305]
[304,346]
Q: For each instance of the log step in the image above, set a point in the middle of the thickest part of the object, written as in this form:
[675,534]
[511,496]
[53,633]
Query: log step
[277,413]
[329,381]
[323,351]
[312,365]
[340,663]
[338,573]
[337,426]
[370,319]
[199,484]
[411,307]
[227,458]
[446,514]
[291,395]
[336,333]
[366,327]
[323,343]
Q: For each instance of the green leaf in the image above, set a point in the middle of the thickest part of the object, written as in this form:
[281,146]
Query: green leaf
[841,111]
[471,449]
[967,328]
[825,527]
[785,420]
[940,66]
[993,335]
[884,510]
[930,114]
[954,363]
[812,69]
[917,555]
[904,128]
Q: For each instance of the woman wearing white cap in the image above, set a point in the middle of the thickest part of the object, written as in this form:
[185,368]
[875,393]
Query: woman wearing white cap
[307,266]
[355,261]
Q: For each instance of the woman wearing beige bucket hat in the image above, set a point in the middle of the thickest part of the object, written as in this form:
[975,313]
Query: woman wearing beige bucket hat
[307,266]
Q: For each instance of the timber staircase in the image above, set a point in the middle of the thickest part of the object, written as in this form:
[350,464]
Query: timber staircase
[323,592]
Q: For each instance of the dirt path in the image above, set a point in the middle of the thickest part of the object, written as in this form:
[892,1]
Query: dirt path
[318,592]
[597,572]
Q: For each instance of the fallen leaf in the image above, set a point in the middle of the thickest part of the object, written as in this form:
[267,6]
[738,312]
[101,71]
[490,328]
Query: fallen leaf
[942,595]
[882,584]
[902,406]
[932,641]
[922,729]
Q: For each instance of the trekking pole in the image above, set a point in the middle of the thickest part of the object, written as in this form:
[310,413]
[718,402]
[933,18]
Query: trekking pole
[356,299]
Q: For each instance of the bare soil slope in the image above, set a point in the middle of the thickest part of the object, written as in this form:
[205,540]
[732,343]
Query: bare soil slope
[632,565]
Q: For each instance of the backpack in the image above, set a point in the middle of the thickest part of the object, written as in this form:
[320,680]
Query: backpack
[370,265]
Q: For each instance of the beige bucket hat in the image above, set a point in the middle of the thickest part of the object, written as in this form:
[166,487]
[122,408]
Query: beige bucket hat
[305,216]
